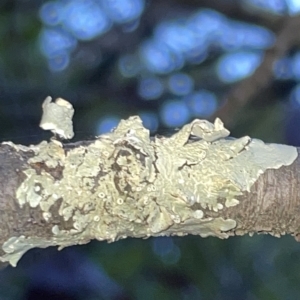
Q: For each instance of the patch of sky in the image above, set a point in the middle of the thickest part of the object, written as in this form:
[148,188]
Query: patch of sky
[191,36]
[293,6]
[51,13]
[158,58]
[89,277]
[54,41]
[165,248]
[264,260]
[131,26]
[123,11]
[197,55]
[177,36]
[189,39]
[174,113]
[278,7]
[190,291]
[228,275]
[106,124]
[239,35]
[202,103]
[296,66]
[235,66]
[185,39]
[207,25]
[150,120]
[283,68]
[129,65]
[150,88]
[59,62]
[180,84]
[85,19]
[295,97]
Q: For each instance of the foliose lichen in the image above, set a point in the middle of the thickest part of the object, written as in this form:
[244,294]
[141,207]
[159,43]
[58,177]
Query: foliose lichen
[125,183]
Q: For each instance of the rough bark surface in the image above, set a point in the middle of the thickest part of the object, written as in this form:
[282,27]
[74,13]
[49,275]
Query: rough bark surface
[272,206]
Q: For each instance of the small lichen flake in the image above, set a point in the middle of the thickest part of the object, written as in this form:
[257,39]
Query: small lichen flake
[57,117]
[208,131]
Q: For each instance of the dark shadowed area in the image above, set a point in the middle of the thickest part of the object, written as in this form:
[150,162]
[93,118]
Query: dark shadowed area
[168,61]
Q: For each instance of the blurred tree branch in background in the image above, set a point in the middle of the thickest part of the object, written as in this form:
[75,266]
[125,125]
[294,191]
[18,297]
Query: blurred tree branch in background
[256,87]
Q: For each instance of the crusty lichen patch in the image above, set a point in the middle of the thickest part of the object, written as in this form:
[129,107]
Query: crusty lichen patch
[126,184]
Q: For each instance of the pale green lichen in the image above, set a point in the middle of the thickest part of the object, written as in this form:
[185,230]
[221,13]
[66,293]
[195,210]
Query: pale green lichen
[125,184]
[28,193]
[57,117]
[16,247]
[225,168]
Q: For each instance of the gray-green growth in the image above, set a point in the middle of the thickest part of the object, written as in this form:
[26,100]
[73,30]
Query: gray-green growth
[125,184]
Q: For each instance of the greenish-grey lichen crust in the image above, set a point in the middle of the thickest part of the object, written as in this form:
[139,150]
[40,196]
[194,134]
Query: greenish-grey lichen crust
[126,184]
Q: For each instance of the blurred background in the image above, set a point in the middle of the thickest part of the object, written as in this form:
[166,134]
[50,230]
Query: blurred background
[168,61]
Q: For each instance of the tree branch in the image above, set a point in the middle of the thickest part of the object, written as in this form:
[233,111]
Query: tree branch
[253,86]
[126,184]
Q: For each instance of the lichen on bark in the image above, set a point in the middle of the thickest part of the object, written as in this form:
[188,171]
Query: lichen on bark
[125,183]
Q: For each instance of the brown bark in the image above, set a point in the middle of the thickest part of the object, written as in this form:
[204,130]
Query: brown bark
[272,206]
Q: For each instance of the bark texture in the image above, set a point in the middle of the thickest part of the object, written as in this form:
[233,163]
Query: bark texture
[272,206]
